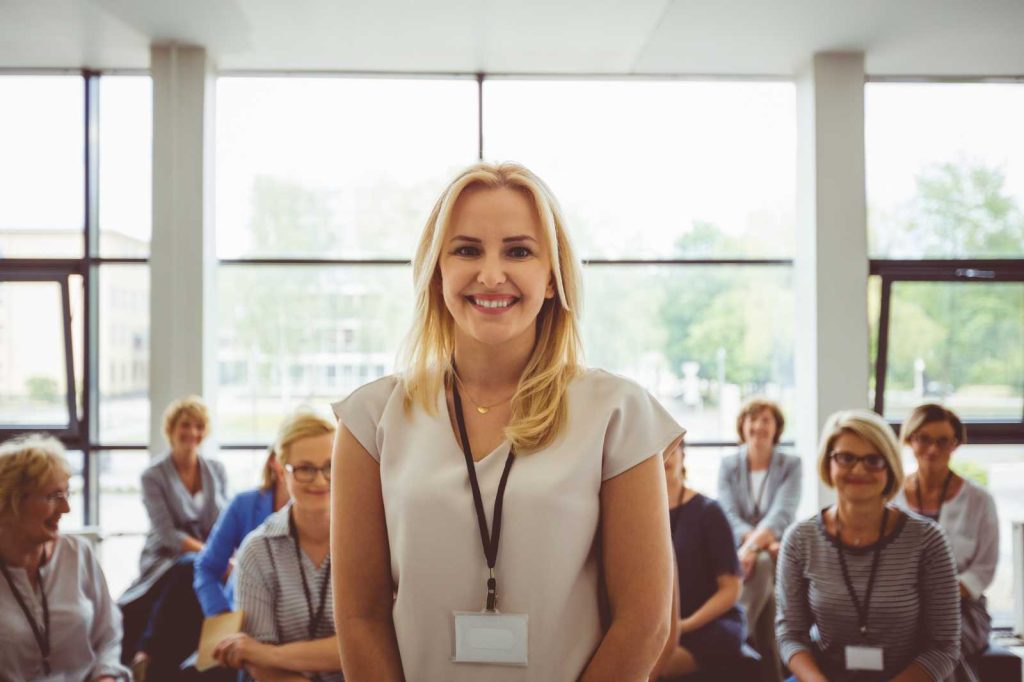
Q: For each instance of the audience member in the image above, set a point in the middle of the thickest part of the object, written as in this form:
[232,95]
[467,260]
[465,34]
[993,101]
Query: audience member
[418,469]
[183,493]
[57,620]
[759,490]
[964,509]
[865,591]
[214,578]
[711,627]
[284,569]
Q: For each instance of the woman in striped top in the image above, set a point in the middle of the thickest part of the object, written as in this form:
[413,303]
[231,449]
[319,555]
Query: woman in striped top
[877,586]
[283,569]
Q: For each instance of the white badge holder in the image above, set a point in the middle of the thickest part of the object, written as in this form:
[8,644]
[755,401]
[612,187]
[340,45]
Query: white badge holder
[490,637]
[864,658]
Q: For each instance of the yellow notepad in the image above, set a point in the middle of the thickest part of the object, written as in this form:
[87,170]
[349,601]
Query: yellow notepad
[216,628]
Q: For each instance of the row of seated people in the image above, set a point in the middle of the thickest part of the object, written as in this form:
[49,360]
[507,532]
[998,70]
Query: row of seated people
[267,554]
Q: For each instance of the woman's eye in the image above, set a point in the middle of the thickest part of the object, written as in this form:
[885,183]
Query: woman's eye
[519,252]
[465,251]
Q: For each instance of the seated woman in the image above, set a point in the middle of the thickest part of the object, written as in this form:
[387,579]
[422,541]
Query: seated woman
[214,579]
[711,628]
[283,571]
[57,620]
[866,592]
[963,509]
[183,493]
[759,490]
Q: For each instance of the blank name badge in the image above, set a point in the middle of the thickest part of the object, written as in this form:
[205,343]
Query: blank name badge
[864,658]
[496,638]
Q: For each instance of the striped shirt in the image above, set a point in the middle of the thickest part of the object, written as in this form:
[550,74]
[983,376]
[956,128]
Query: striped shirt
[914,612]
[268,587]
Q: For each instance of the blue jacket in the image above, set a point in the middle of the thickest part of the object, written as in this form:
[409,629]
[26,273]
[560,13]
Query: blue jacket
[781,495]
[245,512]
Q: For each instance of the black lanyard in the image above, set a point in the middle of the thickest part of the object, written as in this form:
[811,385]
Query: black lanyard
[489,539]
[764,484]
[862,609]
[42,634]
[318,616]
[942,496]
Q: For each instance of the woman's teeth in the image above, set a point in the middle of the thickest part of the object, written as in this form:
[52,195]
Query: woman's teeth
[503,303]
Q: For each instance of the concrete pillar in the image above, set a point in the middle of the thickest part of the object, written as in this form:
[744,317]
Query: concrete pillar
[831,259]
[182,265]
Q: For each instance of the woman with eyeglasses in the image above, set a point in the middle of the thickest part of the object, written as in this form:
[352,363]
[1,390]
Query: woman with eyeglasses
[964,509]
[283,571]
[57,620]
[866,592]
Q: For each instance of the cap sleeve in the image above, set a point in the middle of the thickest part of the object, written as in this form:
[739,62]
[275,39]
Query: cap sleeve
[361,412]
[638,427]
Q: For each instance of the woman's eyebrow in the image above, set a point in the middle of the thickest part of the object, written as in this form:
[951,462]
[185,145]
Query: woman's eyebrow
[463,238]
[519,238]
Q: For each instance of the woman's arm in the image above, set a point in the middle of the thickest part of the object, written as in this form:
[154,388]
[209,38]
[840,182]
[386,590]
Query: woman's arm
[783,505]
[722,600]
[212,562]
[673,636]
[727,499]
[914,672]
[940,609]
[794,617]
[805,668]
[318,655]
[154,499]
[637,556]
[361,565]
[981,568]
[105,630]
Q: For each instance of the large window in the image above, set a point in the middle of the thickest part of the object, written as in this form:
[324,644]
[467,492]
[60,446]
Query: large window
[945,189]
[679,196]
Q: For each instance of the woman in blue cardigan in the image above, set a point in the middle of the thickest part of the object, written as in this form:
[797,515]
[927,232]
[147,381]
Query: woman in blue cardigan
[213,583]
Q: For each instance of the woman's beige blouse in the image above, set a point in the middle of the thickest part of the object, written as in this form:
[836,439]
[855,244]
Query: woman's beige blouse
[548,559]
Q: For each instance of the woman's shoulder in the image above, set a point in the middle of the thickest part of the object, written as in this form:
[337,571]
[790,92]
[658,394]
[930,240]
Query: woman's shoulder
[375,394]
[976,493]
[598,388]
[253,550]
[787,458]
[159,469]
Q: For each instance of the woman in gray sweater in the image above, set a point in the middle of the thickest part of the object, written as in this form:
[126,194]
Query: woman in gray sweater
[866,592]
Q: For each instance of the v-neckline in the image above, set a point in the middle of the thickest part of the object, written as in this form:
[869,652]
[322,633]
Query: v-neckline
[453,436]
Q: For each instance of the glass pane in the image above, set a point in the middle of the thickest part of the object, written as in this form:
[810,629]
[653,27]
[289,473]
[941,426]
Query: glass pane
[124,354]
[945,169]
[700,338]
[75,518]
[656,169]
[1000,468]
[123,518]
[126,165]
[960,344]
[119,556]
[42,172]
[306,334]
[332,167]
[33,379]
[244,467]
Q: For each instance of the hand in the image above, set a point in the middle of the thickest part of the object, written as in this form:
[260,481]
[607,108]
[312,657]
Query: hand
[236,650]
[748,557]
[773,549]
[686,625]
[964,592]
[227,571]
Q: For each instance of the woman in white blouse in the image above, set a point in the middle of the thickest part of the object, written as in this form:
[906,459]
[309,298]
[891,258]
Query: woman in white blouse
[57,620]
[964,509]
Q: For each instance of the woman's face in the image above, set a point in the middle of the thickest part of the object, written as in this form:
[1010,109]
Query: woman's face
[308,483]
[759,428]
[674,464]
[42,509]
[495,267]
[858,482]
[933,445]
[187,433]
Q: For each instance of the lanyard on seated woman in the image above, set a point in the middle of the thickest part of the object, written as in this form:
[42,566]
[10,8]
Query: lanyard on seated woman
[862,657]
[40,632]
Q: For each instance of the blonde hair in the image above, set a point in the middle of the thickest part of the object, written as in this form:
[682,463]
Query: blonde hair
[538,406]
[930,413]
[191,405]
[303,423]
[874,431]
[26,463]
[753,407]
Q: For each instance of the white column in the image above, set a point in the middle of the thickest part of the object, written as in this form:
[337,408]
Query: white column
[831,252]
[183,260]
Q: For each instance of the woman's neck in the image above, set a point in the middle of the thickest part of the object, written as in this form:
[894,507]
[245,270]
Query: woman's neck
[492,368]
[931,479]
[859,517]
[20,553]
[759,454]
[281,496]
[314,526]
[185,460]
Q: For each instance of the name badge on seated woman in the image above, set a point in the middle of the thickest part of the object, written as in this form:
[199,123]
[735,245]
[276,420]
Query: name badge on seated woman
[490,637]
[864,658]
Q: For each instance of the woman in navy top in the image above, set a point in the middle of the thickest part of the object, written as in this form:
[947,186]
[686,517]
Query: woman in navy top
[710,623]
[245,513]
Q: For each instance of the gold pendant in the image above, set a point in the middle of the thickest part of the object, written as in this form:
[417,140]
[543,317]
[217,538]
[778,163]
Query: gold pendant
[483,410]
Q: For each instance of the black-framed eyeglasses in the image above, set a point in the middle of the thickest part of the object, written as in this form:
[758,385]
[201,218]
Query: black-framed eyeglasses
[942,442]
[306,473]
[848,460]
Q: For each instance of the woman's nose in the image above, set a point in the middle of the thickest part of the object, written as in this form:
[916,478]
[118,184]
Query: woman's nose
[492,272]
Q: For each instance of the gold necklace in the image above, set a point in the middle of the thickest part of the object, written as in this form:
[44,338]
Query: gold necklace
[482,409]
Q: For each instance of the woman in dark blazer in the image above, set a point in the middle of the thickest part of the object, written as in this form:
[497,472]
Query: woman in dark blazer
[759,490]
[183,493]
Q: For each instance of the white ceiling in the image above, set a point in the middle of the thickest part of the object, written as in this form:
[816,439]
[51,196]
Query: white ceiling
[744,37]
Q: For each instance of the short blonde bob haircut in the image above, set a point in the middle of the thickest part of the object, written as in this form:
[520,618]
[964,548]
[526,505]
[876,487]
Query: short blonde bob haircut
[302,423]
[753,407]
[930,413]
[874,431]
[539,403]
[191,405]
[26,464]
